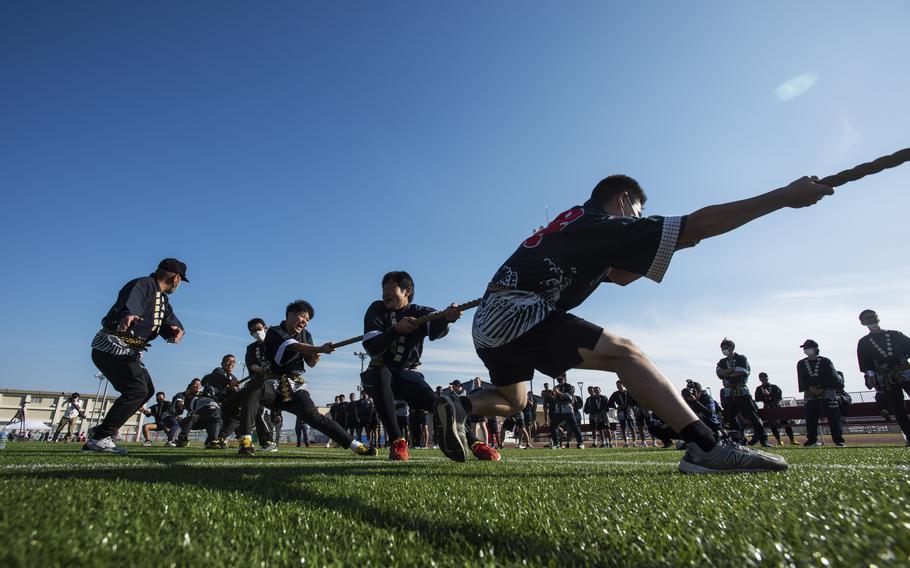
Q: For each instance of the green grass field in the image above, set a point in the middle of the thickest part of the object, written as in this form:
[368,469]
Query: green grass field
[172,507]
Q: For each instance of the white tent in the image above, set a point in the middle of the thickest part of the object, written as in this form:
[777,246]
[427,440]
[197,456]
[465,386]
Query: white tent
[33,425]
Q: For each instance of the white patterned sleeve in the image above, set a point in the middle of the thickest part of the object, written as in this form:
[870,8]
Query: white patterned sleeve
[669,237]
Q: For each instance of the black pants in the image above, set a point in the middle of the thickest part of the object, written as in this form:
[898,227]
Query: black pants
[745,406]
[894,399]
[388,384]
[233,412]
[567,418]
[131,379]
[301,406]
[300,431]
[207,417]
[832,412]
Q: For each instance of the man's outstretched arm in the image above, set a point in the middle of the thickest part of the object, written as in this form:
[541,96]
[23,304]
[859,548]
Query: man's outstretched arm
[719,219]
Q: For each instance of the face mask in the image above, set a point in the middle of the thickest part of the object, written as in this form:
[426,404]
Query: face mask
[726,352]
[631,212]
[259,335]
[874,327]
[809,351]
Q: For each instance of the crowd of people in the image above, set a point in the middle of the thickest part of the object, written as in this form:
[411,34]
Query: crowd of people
[522,325]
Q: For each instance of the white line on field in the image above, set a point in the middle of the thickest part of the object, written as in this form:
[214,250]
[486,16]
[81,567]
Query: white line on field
[273,463]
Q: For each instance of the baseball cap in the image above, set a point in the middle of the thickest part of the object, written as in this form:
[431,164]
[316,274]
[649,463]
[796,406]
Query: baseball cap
[809,343]
[175,266]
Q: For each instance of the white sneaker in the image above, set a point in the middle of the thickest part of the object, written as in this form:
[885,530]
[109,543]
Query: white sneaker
[103,446]
[580,446]
[147,443]
[171,444]
[270,447]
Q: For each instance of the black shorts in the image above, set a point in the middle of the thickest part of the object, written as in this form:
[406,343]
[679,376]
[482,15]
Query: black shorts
[550,347]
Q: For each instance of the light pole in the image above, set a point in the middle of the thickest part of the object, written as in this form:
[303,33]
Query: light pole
[360,355]
[95,409]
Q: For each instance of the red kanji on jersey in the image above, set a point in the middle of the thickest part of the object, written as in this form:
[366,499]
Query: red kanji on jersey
[559,223]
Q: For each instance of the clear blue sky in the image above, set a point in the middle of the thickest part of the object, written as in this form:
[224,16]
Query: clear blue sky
[301,149]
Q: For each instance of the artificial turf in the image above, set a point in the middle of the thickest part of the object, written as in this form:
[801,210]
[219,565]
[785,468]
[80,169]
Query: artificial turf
[616,507]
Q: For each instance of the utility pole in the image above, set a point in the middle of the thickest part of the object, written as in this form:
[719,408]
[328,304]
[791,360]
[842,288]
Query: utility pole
[361,355]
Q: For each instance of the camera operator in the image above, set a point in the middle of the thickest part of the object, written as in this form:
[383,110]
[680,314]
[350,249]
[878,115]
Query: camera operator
[73,410]
[703,406]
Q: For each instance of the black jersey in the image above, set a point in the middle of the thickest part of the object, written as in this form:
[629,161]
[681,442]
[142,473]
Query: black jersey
[218,381]
[818,373]
[621,400]
[769,394]
[561,265]
[735,386]
[282,360]
[387,347]
[162,410]
[139,297]
[887,347]
[596,404]
[255,355]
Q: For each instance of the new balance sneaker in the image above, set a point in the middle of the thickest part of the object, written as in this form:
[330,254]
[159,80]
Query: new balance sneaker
[728,457]
[103,446]
[270,446]
[365,450]
[484,452]
[399,450]
[246,446]
[147,443]
[448,420]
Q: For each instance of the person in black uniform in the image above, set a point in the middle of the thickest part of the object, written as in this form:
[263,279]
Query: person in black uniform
[734,371]
[564,394]
[882,356]
[596,406]
[141,313]
[623,402]
[394,340]
[289,349]
[523,324]
[771,396]
[257,365]
[203,411]
[818,379]
[165,420]
[225,387]
[300,429]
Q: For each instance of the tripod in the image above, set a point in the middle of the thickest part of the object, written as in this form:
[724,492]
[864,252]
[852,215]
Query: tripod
[19,417]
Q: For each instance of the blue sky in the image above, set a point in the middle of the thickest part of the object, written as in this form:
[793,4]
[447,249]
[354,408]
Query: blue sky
[301,150]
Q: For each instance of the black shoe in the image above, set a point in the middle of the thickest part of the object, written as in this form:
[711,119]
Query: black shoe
[753,441]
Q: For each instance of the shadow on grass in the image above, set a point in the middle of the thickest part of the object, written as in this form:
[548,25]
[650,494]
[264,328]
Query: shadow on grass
[447,534]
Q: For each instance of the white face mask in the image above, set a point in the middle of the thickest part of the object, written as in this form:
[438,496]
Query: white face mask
[726,352]
[874,327]
[259,335]
[809,351]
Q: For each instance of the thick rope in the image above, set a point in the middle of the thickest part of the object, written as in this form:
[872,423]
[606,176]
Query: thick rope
[868,168]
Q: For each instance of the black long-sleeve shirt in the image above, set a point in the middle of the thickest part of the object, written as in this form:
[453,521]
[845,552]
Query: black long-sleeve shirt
[887,347]
[818,373]
[769,394]
[255,355]
[386,346]
[139,297]
[621,400]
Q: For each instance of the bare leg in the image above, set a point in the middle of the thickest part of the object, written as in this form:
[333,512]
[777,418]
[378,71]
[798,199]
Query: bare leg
[645,382]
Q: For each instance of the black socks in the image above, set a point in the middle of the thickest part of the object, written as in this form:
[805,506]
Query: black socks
[699,433]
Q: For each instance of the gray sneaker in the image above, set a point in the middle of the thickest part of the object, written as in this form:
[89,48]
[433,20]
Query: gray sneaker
[102,446]
[270,447]
[448,422]
[727,457]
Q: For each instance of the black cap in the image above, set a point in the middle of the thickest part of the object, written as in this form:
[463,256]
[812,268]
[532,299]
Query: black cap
[455,382]
[175,266]
[809,343]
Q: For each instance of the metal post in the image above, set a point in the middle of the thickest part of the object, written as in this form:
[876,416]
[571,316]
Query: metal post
[92,416]
[361,355]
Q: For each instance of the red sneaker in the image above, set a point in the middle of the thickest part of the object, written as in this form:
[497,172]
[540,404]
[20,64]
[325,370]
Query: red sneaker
[399,450]
[484,452]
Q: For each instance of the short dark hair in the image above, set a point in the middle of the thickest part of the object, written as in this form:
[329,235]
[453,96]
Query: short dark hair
[611,186]
[254,321]
[161,393]
[298,306]
[865,314]
[74,395]
[763,375]
[403,280]
[225,358]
